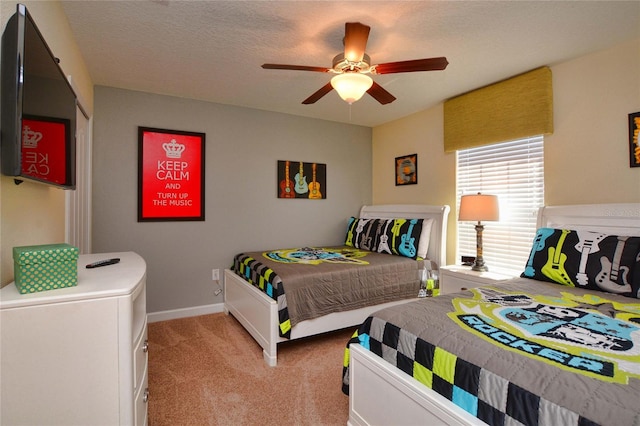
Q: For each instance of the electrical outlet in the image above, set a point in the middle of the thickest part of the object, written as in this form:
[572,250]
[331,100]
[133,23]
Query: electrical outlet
[215,275]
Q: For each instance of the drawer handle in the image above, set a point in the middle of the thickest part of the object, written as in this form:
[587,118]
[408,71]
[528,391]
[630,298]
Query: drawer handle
[145,398]
[145,346]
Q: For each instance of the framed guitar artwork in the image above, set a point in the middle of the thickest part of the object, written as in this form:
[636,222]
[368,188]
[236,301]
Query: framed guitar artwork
[297,179]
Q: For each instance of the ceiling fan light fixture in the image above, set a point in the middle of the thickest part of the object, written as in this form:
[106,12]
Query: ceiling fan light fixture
[351,86]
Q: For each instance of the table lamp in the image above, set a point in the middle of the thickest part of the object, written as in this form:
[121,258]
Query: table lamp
[478,207]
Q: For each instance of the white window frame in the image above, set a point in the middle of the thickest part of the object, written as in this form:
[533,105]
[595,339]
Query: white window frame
[514,171]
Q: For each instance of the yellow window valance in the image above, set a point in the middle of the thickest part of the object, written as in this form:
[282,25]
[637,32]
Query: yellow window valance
[518,107]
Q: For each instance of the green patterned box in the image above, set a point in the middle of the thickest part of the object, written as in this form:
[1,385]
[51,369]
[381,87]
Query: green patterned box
[45,267]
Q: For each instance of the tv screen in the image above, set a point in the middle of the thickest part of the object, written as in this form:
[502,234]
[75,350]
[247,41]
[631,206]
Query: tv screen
[37,133]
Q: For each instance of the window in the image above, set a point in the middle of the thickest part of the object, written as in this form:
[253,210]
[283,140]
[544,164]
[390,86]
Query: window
[514,171]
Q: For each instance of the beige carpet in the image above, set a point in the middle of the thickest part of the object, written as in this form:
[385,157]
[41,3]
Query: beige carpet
[207,370]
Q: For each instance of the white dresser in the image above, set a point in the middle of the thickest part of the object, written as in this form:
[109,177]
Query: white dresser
[77,355]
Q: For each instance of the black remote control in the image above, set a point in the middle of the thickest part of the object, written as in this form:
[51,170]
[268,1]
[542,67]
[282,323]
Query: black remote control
[105,262]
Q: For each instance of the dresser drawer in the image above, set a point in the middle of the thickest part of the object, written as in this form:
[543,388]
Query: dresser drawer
[142,398]
[140,358]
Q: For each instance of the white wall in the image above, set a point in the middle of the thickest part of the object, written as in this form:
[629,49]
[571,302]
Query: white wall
[33,213]
[586,158]
[242,210]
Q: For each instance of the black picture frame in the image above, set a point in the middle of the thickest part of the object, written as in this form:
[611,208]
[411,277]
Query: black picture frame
[171,184]
[406,169]
[634,139]
[298,179]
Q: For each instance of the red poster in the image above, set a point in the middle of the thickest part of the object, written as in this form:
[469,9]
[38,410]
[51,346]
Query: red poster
[170,175]
[44,145]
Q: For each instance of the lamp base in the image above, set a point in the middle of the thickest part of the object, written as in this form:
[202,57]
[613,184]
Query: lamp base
[479,267]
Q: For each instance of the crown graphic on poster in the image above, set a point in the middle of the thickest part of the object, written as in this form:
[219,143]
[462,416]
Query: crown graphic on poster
[173,149]
[30,138]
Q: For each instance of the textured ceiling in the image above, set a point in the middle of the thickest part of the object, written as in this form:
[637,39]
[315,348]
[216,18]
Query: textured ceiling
[212,50]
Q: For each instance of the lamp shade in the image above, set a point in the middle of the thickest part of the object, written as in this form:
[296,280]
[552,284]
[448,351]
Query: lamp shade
[478,207]
[351,85]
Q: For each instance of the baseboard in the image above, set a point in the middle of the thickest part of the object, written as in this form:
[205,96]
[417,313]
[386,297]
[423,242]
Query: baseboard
[185,312]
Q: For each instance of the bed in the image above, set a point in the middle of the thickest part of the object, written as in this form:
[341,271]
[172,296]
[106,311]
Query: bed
[533,350]
[260,313]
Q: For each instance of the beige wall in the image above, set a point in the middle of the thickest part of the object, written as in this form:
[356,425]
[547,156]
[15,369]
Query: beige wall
[419,133]
[33,213]
[586,158]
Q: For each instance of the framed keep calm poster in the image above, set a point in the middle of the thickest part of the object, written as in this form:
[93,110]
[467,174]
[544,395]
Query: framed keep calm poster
[170,175]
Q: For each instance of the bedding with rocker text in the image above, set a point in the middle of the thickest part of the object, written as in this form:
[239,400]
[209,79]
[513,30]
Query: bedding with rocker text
[525,351]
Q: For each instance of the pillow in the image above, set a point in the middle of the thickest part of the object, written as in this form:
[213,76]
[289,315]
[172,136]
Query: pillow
[364,234]
[350,228]
[586,259]
[425,236]
[392,236]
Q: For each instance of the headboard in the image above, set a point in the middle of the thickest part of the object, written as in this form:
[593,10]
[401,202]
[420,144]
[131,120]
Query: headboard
[613,219]
[438,238]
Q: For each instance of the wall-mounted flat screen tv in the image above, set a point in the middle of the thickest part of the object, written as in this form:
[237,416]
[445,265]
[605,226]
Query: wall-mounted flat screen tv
[38,116]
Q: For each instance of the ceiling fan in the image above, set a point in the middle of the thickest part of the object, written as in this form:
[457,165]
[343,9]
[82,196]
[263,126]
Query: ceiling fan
[351,68]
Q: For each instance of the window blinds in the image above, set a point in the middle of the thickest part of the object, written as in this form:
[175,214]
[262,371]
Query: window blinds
[514,171]
[519,107]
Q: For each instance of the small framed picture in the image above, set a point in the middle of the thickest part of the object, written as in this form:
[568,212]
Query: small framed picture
[634,139]
[406,170]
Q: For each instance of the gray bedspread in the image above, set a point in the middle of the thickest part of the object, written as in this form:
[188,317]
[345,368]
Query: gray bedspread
[312,282]
[525,351]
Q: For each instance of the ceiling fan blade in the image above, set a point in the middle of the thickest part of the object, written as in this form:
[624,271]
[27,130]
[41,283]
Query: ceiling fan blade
[355,40]
[430,64]
[317,95]
[294,67]
[380,94]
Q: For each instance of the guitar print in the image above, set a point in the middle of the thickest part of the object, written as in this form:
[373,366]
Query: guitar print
[365,240]
[395,230]
[606,278]
[361,224]
[357,235]
[407,246]
[617,256]
[383,246]
[286,186]
[350,232]
[314,187]
[301,182]
[554,267]
[538,245]
[587,244]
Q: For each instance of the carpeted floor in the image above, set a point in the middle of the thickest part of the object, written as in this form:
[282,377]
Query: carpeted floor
[208,370]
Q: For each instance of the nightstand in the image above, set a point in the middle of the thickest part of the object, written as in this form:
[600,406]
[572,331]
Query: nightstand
[454,278]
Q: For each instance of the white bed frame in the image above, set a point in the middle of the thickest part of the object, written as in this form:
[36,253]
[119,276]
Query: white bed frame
[379,393]
[258,313]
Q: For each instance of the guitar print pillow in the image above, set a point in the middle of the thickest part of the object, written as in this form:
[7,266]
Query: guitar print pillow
[586,259]
[399,237]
